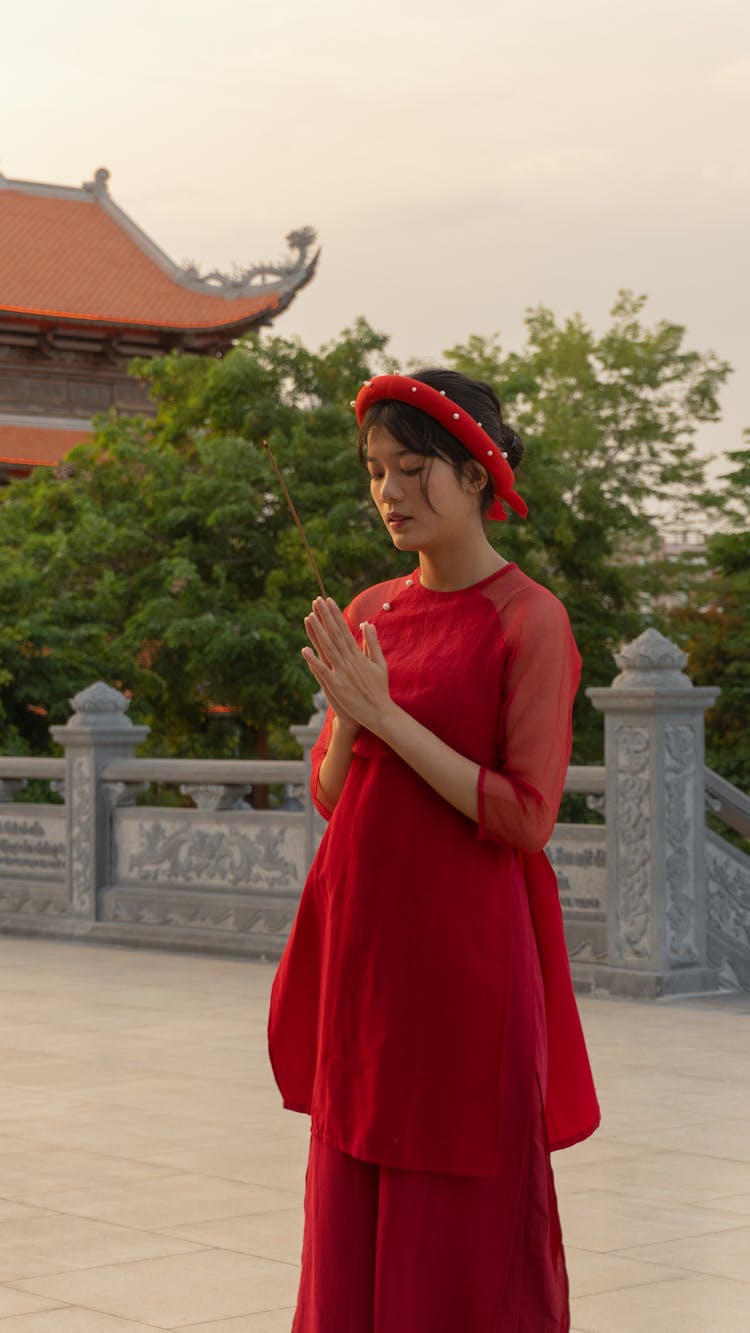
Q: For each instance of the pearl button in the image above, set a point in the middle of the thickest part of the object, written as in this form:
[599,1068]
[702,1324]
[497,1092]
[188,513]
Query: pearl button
[410,583]
[455,416]
[414,388]
[386,606]
[442,393]
[489,453]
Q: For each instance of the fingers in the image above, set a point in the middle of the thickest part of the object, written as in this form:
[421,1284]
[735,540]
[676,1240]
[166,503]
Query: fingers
[332,630]
[311,628]
[371,643]
[324,677]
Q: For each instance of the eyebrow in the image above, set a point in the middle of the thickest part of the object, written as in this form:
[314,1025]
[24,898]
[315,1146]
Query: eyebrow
[398,453]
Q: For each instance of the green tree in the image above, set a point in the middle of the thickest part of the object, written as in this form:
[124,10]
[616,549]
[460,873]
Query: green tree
[715,629]
[162,557]
[609,424]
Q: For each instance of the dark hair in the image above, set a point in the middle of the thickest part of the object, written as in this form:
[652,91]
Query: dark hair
[423,435]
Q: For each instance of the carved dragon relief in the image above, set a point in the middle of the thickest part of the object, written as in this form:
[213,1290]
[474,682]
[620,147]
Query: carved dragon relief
[232,856]
[680,772]
[633,832]
[258,277]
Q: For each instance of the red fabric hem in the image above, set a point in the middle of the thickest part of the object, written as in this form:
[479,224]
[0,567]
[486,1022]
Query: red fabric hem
[576,1138]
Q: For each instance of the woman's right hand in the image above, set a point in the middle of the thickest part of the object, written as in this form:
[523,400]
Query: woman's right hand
[346,727]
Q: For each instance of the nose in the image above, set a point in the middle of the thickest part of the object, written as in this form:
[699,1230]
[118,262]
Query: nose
[392,488]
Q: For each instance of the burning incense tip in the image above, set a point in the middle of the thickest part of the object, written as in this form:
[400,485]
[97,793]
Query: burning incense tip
[293,512]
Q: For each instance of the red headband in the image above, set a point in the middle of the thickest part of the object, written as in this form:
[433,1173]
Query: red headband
[455,420]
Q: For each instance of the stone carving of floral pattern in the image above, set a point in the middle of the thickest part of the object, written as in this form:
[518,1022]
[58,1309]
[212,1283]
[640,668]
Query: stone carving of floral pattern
[31,902]
[633,836]
[679,776]
[163,911]
[231,857]
[728,877]
[82,851]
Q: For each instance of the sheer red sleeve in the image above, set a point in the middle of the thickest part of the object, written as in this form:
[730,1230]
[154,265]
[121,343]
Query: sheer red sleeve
[518,802]
[317,755]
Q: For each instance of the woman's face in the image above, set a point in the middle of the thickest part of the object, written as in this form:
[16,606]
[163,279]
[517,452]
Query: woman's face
[397,482]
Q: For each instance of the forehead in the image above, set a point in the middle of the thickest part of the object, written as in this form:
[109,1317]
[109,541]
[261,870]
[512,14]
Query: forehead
[382,445]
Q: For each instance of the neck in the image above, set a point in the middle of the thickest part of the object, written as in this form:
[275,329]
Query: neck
[452,567]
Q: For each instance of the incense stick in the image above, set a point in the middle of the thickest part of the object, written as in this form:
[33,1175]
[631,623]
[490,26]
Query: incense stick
[293,512]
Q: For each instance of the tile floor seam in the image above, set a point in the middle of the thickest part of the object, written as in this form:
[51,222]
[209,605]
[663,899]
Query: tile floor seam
[202,1323]
[693,1236]
[92,1309]
[247,1254]
[667,1200]
[108,1263]
[664,1263]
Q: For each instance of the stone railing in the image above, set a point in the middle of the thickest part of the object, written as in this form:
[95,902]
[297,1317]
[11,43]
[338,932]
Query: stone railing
[653,903]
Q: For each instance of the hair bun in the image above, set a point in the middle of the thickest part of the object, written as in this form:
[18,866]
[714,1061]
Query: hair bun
[512,444]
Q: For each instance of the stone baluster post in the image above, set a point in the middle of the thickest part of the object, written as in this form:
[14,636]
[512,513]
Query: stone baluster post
[96,735]
[655,823]
[306,737]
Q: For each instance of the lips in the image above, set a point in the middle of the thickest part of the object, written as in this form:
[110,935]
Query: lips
[397,518]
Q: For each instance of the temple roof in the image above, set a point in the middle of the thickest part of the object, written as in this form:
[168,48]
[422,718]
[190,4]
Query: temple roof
[73,255]
[38,445]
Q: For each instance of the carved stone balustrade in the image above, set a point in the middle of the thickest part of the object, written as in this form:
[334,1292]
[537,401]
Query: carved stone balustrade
[653,903]
[97,733]
[656,873]
[216,795]
[10,787]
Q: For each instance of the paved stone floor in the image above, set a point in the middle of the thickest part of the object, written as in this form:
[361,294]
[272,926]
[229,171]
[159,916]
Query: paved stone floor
[149,1178]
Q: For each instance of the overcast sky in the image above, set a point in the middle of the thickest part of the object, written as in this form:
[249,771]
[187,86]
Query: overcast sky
[461,162]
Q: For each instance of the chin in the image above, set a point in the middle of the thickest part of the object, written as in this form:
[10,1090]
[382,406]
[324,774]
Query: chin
[404,541]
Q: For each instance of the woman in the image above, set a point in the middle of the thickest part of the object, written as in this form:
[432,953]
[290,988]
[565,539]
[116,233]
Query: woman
[422,1013]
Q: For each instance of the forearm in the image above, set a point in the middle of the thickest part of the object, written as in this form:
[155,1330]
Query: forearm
[504,811]
[450,774]
[335,766]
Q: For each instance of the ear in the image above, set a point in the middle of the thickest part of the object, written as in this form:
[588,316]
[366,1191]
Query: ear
[475,475]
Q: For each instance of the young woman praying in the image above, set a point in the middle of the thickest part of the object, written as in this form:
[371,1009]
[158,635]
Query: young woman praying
[422,1013]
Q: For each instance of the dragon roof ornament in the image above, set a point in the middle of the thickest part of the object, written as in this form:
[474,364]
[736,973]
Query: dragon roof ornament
[260,277]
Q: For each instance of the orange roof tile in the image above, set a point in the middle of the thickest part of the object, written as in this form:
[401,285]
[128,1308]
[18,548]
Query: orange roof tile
[71,258]
[37,446]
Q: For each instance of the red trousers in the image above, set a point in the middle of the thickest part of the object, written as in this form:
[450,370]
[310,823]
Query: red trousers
[390,1251]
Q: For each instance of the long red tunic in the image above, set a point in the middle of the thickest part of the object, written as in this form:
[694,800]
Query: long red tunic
[425,983]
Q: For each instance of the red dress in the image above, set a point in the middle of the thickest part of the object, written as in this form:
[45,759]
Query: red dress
[425,991]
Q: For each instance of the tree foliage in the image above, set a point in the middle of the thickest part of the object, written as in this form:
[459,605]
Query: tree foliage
[609,425]
[714,628]
[161,556]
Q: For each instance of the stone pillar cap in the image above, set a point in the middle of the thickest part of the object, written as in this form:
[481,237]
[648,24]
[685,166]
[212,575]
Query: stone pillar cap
[99,706]
[651,662]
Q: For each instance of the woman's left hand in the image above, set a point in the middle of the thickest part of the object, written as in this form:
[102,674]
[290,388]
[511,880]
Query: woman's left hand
[356,681]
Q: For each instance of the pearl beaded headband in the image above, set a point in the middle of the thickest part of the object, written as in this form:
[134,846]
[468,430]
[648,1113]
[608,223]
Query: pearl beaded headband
[457,421]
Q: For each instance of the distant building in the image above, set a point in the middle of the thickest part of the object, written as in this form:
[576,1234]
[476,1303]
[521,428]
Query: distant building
[83,290]
[680,541]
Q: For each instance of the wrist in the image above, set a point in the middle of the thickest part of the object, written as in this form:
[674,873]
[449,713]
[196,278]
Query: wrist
[347,728]
[389,723]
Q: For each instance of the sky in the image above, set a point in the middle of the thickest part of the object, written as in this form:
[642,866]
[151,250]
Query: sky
[461,162]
